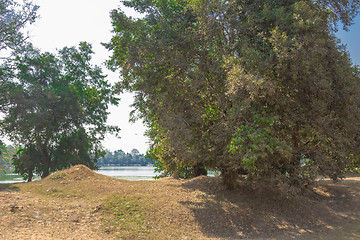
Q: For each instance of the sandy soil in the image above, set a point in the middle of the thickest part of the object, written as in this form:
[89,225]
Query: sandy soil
[80,204]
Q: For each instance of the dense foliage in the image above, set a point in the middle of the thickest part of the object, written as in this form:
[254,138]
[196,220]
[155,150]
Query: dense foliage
[6,156]
[119,157]
[262,87]
[55,109]
[14,18]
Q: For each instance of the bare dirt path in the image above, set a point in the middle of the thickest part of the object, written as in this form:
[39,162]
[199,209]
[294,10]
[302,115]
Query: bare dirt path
[80,204]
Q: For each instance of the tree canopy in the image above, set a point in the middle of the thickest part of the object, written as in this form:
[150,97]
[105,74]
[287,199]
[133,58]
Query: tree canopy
[55,107]
[14,18]
[262,87]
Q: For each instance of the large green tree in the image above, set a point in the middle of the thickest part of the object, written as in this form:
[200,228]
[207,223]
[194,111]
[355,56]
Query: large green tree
[263,87]
[13,19]
[55,109]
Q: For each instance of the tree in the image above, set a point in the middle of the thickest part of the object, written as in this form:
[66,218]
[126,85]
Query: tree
[259,87]
[134,152]
[56,109]
[14,18]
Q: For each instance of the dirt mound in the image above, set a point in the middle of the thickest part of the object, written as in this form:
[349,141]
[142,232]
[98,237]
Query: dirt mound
[78,203]
[77,172]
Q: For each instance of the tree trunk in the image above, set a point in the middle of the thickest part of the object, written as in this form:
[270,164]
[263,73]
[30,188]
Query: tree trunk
[45,173]
[296,154]
[199,170]
[30,175]
[47,162]
[175,174]
[229,177]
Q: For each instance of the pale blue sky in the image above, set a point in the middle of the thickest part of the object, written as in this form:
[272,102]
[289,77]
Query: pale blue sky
[352,40]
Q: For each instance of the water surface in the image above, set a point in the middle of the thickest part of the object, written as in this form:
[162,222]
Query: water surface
[132,173]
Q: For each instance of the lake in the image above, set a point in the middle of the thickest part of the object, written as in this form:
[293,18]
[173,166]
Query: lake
[132,173]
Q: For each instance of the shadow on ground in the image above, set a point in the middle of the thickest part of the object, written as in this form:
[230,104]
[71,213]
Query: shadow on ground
[8,187]
[262,212]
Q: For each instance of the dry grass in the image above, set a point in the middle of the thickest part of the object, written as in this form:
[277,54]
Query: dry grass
[80,204]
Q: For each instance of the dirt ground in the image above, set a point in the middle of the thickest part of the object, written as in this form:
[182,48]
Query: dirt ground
[80,204]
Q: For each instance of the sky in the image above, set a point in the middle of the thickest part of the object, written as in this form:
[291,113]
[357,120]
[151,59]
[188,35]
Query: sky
[351,39]
[67,22]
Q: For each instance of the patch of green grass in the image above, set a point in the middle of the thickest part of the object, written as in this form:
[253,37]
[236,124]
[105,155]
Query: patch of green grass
[123,217]
[57,176]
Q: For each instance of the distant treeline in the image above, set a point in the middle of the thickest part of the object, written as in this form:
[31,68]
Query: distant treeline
[119,157]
